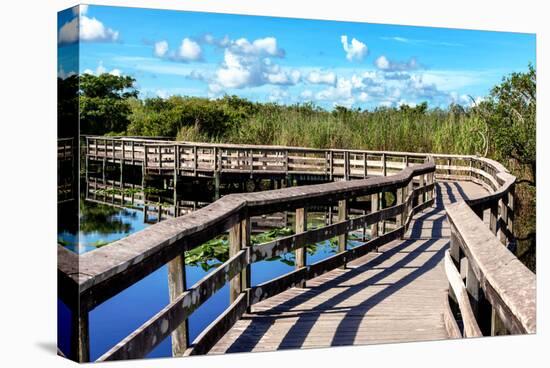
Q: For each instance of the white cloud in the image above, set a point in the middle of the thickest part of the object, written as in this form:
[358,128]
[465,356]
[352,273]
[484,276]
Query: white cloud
[355,50]
[363,97]
[316,77]
[261,47]
[382,63]
[161,48]
[189,50]
[386,65]
[87,30]
[341,94]
[249,64]
[92,29]
[68,33]
[102,70]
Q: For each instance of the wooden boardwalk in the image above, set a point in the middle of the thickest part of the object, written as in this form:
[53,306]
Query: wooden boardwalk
[397,294]
[401,285]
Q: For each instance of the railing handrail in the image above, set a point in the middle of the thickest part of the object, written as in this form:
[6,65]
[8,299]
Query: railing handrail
[106,271]
[507,283]
[493,272]
[110,269]
[238,208]
[224,212]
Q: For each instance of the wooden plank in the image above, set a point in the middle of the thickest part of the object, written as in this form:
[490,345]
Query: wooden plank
[176,287]
[277,285]
[300,253]
[290,243]
[506,283]
[235,244]
[157,328]
[471,328]
[342,217]
[219,327]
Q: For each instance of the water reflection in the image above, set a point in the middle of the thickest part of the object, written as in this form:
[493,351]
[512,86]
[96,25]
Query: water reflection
[113,205]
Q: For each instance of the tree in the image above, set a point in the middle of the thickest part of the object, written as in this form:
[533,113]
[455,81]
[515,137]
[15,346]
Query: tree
[512,121]
[104,103]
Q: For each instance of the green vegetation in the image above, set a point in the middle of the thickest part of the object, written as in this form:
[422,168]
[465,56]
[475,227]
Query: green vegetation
[103,103]
[502,127]
[216,251]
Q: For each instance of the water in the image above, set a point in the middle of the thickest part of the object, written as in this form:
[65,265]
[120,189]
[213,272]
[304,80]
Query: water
[102,222]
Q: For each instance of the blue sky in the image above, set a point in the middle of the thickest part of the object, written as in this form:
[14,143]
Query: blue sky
[288,60]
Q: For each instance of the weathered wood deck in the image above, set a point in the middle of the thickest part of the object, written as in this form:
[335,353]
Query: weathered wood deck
[397,294]
[401,285]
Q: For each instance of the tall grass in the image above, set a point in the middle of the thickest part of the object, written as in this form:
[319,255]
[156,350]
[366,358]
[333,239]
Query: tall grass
[433,131]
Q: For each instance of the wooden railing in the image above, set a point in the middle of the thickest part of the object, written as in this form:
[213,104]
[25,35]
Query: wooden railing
[205,159]
[104,272]
[65,149]
[495,281]
[494,292]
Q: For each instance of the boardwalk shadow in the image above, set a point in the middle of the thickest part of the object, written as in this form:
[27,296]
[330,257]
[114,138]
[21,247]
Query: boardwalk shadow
[303,320]
[347,328]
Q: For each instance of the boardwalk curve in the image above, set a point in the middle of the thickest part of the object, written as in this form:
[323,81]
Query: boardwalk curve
[396,294]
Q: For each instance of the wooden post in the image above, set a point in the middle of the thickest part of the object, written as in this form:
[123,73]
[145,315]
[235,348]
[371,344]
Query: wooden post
[429,179]
[454,248]
[300,254]
[497,326]
[406,160]
[480,306]
[160,157]
[456,254]
[103,167]
[246,278]
[342,216]
[384,165]
[286,163]
[374,200]
[122,169]
[176,286]
[346,165]
[251,160]
[365,164]
[195,163]
[331,165]
[410,191]
[510,220]
[422,185]
[493,218]
[133,153]
[401,218]
[216,185]
[176,166]
[145,161]
[504,217]
[235,243]
[382,205]
[80,343]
